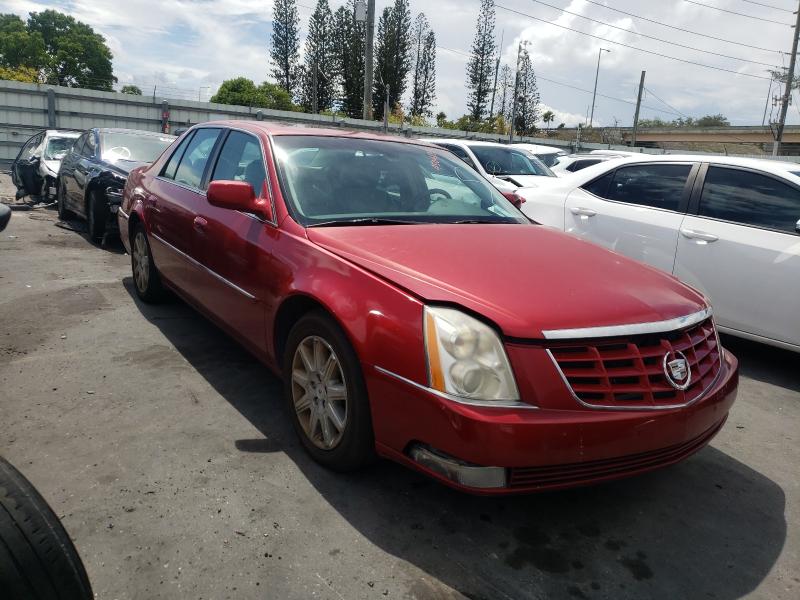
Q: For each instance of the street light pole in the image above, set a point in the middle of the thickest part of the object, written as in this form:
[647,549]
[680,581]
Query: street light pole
[596,75]
[369,67]
[776,147]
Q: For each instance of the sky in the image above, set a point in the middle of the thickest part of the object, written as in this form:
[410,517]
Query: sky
[188,47]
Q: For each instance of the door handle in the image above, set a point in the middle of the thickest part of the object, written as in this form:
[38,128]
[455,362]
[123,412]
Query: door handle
[698,235]
[200,223]
[583,212]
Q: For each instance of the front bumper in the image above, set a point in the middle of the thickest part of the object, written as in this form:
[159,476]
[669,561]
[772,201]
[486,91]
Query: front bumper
[543,448]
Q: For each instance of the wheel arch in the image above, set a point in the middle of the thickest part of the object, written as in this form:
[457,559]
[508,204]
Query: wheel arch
[291,310]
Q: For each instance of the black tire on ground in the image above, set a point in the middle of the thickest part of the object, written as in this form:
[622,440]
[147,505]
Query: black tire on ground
[356,447]
[96,215]
[61,196]
[37,558]
[146,279]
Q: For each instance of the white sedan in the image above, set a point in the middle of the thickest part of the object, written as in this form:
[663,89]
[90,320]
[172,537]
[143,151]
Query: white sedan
[729,227]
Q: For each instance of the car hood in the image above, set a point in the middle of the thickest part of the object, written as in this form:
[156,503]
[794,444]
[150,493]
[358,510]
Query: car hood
[523,181]
[123,167]
[524,278]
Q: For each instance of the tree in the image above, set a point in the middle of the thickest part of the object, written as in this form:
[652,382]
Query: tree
[349,41]
[74,55]
[285,44]
[423,88]
[24,74]
[441,119]
[393,55]
[319,71]
[479,67]
[717,120]
[505,80]
[133,90]
[548,117]
[19,48]
[241,91]
[527,97]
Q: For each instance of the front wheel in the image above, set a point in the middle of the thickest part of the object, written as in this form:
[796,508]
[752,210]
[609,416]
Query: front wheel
[145,275]
[326,394]
[96,215]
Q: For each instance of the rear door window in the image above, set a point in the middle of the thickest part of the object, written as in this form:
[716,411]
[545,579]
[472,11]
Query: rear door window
[750,199]
[193,163]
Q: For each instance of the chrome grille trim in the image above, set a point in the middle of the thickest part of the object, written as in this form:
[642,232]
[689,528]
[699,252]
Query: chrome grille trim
[627,330]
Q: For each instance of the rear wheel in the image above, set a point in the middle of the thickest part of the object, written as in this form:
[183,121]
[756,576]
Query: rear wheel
[96,215]
[61,196]
[37,558]
[145,275]
[326,394]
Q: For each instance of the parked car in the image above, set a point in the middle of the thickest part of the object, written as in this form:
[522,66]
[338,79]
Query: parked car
[575,162]
[431,324]
[35,169]
[549,155]
[94,171]
[726,226]
[508,168]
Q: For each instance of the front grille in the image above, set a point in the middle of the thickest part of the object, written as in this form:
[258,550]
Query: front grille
[629,373]
[553,476]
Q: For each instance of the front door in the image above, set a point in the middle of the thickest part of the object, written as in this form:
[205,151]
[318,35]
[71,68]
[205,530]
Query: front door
[635,210]
[25,171]
[742,249]
[235,246]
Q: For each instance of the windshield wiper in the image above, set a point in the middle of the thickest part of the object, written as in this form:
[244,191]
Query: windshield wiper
[363,221]
[481,221]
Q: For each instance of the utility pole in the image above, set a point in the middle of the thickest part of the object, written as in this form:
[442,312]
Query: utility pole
[369,68]
[638,106]
[314,101]
[496,72]
[776,147]
[596,75]
[516,92]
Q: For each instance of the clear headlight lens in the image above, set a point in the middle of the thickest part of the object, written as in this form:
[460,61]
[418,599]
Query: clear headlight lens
[466,357]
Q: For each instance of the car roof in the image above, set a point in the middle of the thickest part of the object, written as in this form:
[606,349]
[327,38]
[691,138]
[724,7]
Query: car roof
[66,133]
[131,131]
[763,164]
[462,141]
[538,148]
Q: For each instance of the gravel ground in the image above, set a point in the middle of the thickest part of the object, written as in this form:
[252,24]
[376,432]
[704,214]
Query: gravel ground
[164,448]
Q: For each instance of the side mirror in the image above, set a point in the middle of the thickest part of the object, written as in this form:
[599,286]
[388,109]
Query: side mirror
[238,195]
[515,199]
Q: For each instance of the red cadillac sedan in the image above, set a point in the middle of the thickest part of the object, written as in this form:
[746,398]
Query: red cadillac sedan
[413,313]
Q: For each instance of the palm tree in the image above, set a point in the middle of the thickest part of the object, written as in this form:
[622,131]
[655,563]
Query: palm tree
[548,117]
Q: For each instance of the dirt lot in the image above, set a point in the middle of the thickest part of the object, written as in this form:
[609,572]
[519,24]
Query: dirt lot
[164,448]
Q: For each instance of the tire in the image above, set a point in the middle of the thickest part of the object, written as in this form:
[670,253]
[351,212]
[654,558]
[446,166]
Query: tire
[37,558]
[96,215]
[352,445]
[61,197]
[146,279]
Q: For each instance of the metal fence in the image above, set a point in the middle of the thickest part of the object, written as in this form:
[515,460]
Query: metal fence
[27,108]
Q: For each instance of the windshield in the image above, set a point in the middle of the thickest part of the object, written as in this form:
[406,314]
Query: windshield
[550,159]
[133,146]
[57,147]
[337,180]
[501,161]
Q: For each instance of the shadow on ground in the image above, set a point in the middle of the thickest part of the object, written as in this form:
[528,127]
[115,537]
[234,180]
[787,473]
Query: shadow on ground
[765,363]
[708,528]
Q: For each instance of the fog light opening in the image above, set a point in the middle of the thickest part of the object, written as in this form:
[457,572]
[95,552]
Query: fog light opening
[458,471]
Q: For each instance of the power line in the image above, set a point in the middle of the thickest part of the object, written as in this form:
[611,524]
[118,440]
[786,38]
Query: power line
[664,102]
[608,41]
[738,14]
[769,6]
[676,28]
[563,10]
[573,87]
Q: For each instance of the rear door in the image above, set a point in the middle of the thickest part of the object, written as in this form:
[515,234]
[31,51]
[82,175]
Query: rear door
[235,246]
[635,210]
[741,247]
[172,206]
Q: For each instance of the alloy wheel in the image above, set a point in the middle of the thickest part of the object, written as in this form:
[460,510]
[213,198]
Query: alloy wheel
[319,392]
[141,262]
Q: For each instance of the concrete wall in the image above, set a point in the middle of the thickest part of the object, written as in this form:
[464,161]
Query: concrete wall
[26,108]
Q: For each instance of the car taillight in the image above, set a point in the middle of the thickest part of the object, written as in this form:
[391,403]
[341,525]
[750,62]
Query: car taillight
[514,198]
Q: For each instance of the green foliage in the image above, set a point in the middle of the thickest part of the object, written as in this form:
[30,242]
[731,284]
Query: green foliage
[528,97]
[19,47]
[717,120]
[349,42]
[423,87]
[241,91]
[481,65]
[74,55]
[133,90]
[285,44]
[393,55]
[319,70]
[24,74]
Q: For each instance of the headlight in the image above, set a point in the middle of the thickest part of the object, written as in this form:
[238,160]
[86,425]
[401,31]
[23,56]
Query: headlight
[466,357]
